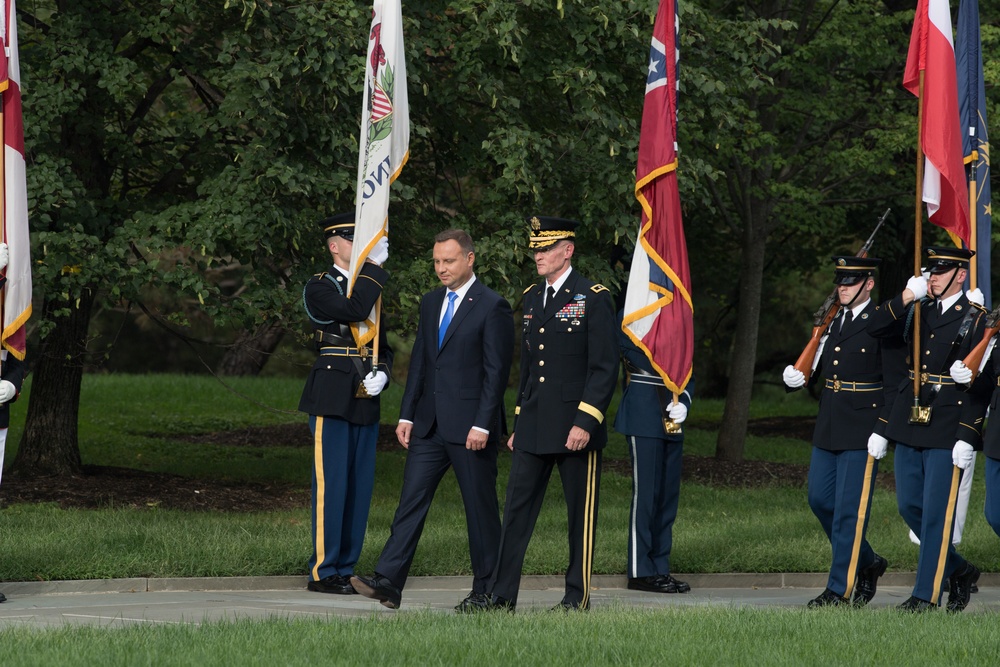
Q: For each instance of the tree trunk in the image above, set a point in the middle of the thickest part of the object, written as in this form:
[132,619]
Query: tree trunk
[49,444]
[251,350]
[733,429]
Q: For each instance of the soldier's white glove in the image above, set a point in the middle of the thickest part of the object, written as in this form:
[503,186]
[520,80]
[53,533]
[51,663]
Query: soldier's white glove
[917,285]
[793,378]
[975,296]
[7,391]
[961,373]
[380,253]
[374,384]
[678,412]
[4,255]
[963,455]
[877,446]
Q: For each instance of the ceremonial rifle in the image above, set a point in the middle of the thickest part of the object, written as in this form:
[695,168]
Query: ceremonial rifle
[824,316]
[975,358]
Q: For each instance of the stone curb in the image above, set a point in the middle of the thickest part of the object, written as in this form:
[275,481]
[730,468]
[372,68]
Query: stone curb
[533,582]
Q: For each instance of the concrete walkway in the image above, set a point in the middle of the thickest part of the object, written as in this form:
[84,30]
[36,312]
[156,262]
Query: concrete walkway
[123,602]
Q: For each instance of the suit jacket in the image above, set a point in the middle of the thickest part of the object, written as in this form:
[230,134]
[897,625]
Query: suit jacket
[639,412]
[569,365]
[333,380]
[462,384]
[852,354]
[12,371]
[955,414]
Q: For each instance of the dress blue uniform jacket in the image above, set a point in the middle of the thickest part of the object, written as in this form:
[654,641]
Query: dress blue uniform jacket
[955,414]
[846,418]
[569,366]
[639,411]
[13,371]
[333,380]
[462,384]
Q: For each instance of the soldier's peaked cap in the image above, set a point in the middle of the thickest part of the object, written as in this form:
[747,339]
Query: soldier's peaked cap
[942,259]
[849,269]
[341,224]
[546,230]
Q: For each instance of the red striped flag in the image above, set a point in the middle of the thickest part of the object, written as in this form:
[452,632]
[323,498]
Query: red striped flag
[17,289]
[933,52]
[659,315]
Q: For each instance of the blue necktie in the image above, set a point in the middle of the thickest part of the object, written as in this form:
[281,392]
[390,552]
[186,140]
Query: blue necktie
[448,314]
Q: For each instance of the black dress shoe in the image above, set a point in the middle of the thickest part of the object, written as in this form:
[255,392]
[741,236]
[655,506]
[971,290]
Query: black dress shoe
[3,598]
[336,584]
[960,587]
[916,605]
[658,583]
[826,599]
[867,582]
[378,588]
[473,602]
[569,606]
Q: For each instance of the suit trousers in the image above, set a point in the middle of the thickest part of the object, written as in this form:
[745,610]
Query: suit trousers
[656,490]
[840,495]
[993,493]
[529,476]
[427,460]
[927,493]
[342,484]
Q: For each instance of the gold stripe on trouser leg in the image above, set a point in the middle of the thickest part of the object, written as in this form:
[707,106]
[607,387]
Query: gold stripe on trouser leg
[949,518]
[588,526]
[859,530]
[320,497]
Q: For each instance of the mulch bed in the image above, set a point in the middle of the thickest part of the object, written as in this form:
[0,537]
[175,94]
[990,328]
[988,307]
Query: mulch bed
[100,486]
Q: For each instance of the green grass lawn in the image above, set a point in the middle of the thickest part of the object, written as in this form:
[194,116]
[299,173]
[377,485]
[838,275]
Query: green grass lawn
[130,420]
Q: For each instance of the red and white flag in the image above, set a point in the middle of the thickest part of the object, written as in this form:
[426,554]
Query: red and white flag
[932,51]
[16,293]
[659,315]
[385,139]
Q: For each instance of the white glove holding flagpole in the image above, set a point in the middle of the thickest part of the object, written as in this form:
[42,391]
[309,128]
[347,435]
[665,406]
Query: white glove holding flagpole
[963,455]
[375,383]
[380,253]
[4,255]
[677,412]
[975,296]
[877,446]
[7,391]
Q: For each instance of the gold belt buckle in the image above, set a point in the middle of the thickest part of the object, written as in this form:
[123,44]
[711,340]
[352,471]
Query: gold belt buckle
[924,377]
[836,385]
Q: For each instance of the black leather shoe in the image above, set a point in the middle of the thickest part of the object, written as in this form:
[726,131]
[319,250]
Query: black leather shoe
[916,605]
[867,582]
[569,606]
[960,587]
[3,598]
[378,588]
[826,599]
[658,583]
[337,584]
[473,602]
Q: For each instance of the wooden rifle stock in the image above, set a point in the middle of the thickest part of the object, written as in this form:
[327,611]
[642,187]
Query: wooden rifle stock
[823,317]
[975,358]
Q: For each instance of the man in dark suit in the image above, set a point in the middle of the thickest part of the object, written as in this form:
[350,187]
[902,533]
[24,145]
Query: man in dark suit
[945,418]
[341,399]
[11,377]
[841,471]
[644,412]
[451,417]
[569,366]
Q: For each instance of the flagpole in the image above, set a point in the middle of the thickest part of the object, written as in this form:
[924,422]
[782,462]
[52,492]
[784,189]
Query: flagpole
[918,241]
[973,263]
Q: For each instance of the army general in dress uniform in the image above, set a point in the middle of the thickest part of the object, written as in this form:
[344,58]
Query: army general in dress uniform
[943,418]
[341,399]
[841,471]
[569,366]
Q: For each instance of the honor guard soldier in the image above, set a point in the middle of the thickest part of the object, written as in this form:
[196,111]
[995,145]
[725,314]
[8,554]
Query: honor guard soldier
[841,471]
[569,366]
[11,377]
[656,447]
[928,426]
[341,399]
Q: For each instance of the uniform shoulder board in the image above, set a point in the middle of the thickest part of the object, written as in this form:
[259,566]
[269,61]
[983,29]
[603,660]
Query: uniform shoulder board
[598,288]
[319,276]
[978,307]
[528,289]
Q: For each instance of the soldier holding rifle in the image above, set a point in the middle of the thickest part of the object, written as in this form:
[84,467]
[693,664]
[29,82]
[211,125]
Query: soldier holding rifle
[930,418]
[841,472]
